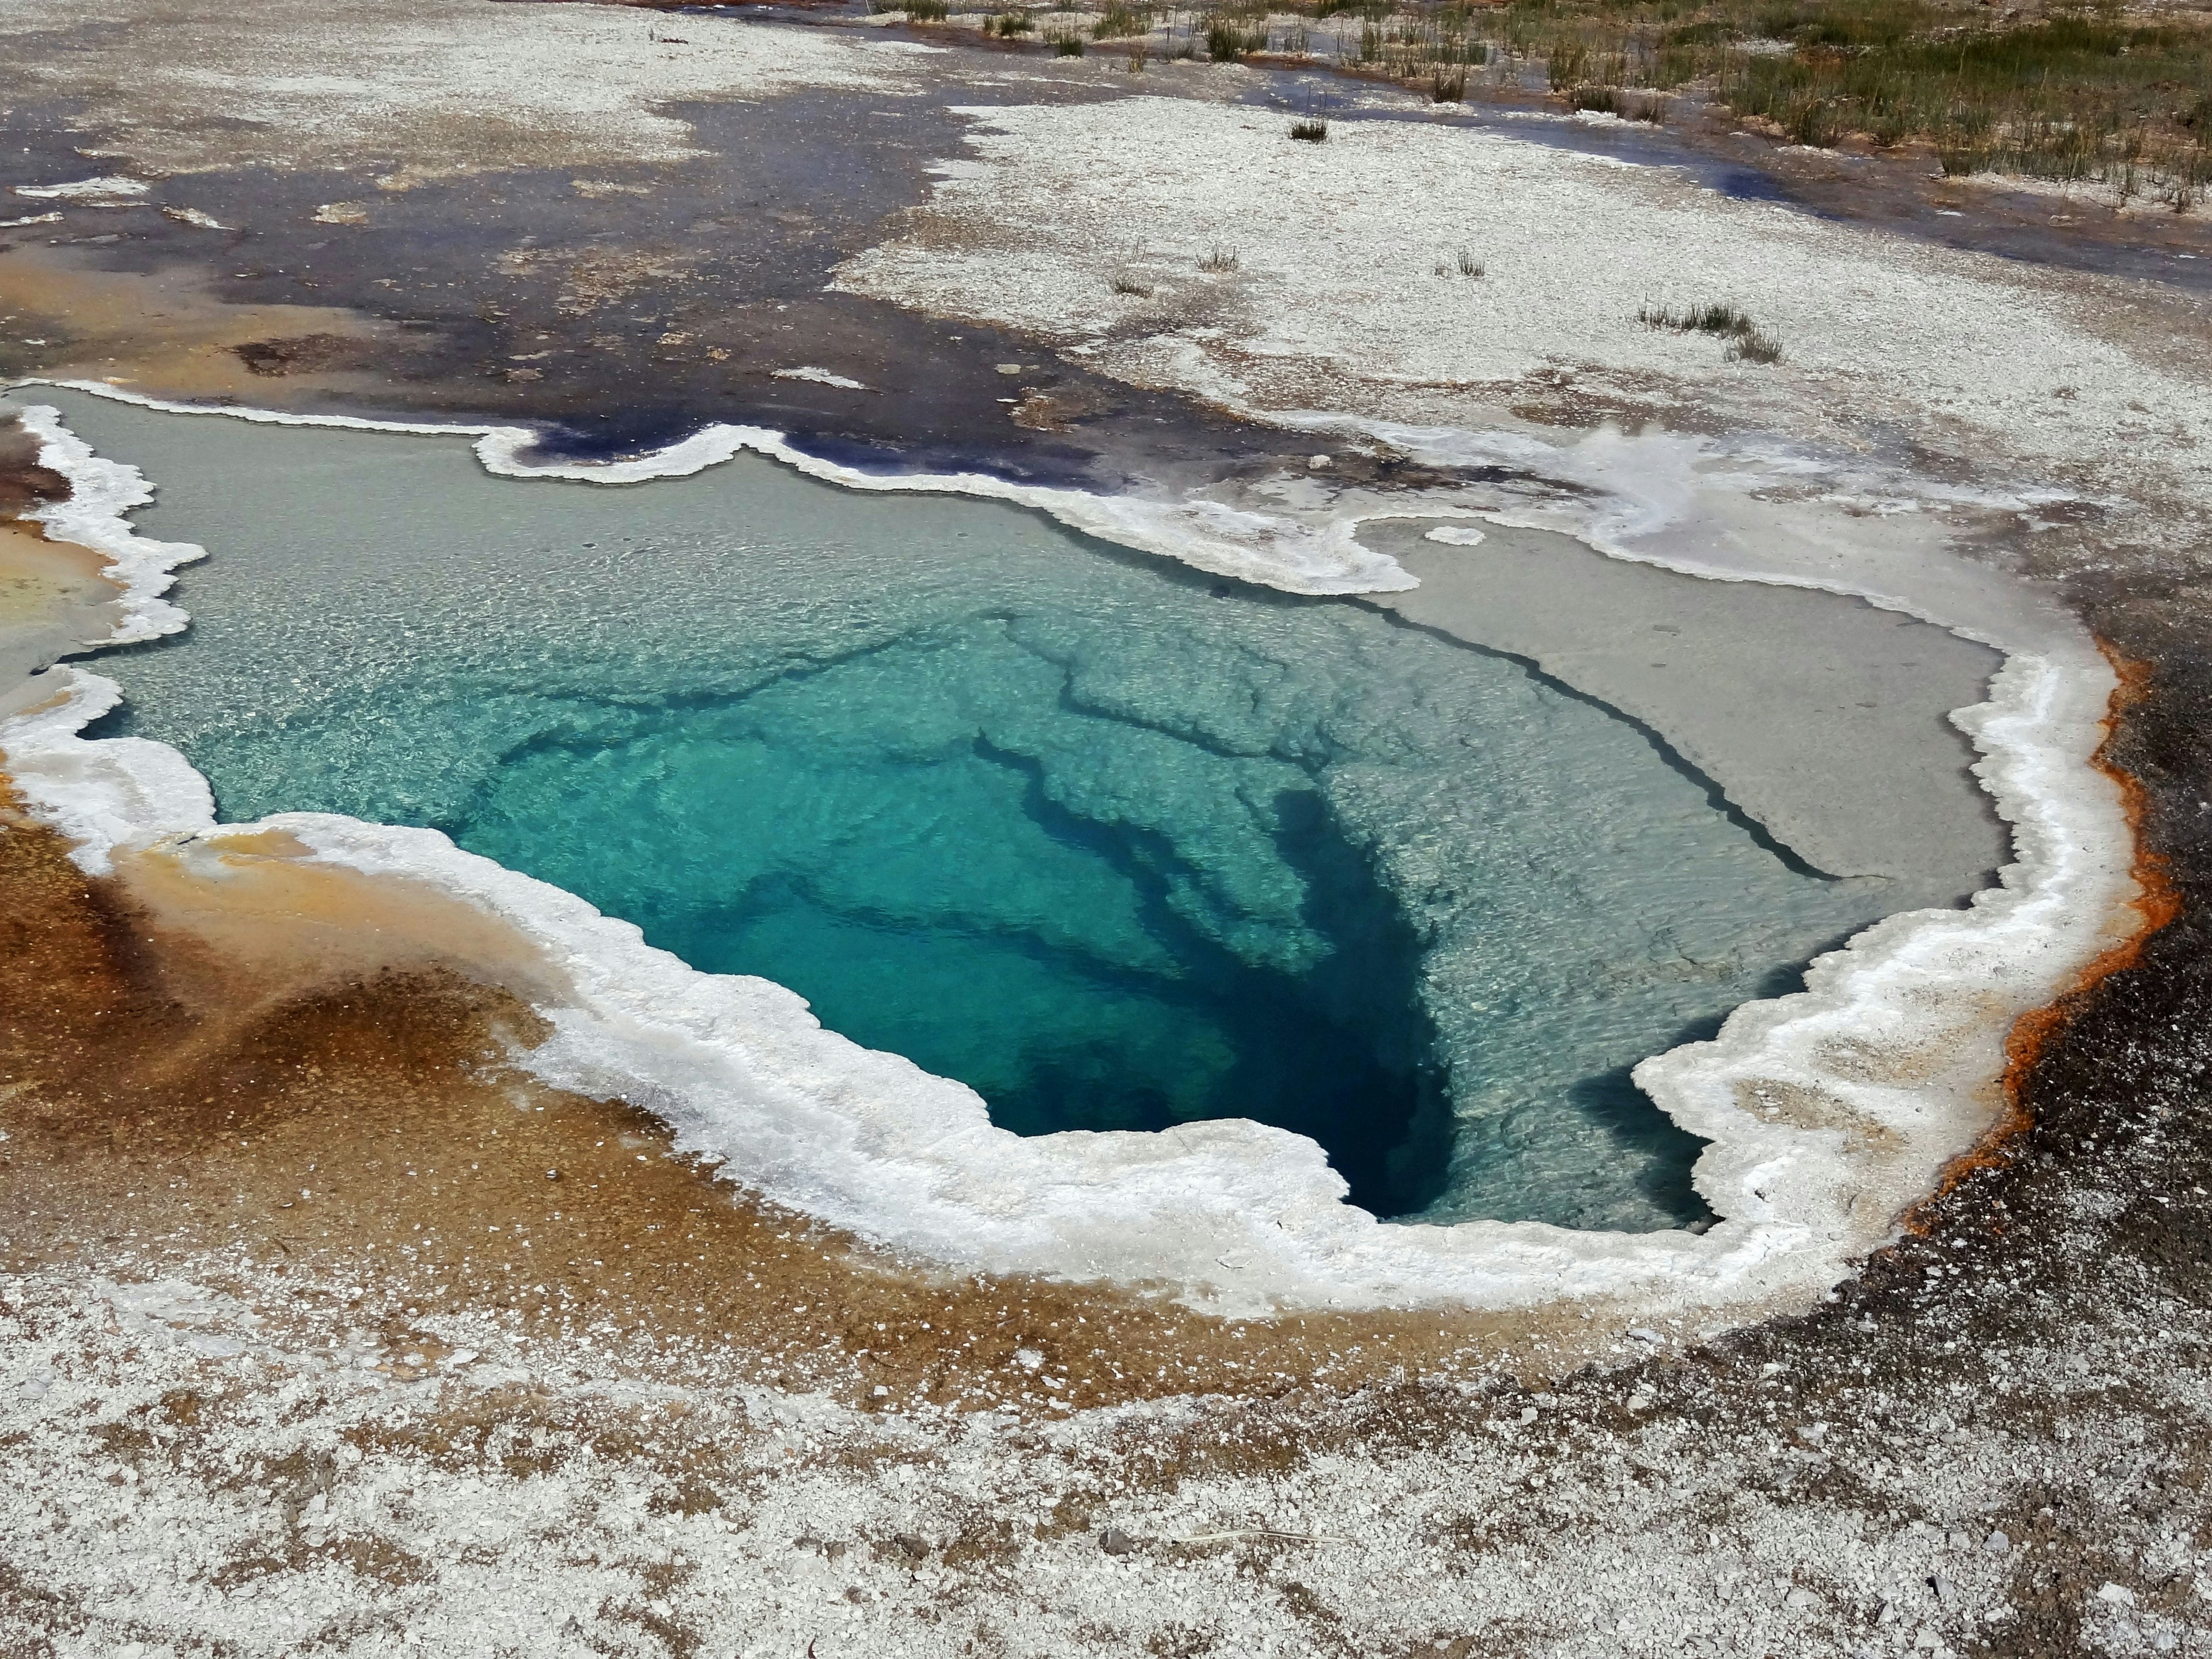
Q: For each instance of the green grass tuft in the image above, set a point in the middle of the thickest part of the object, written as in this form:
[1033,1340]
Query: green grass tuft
[1747,342]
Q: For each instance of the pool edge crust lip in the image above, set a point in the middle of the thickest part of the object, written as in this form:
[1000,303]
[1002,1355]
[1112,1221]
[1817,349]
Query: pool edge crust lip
[1243,1218]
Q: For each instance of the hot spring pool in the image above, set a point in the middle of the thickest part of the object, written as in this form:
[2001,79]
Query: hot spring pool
[1118,844]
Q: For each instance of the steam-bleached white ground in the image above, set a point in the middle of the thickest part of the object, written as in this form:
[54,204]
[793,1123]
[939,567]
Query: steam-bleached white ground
[190,1474]
[411,86]
[1347,295]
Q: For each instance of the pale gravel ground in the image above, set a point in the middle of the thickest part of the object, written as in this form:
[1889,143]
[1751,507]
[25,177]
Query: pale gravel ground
[423,87]
[198,1479]
[1338,305]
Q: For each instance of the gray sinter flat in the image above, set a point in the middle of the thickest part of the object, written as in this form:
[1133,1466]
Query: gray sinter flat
[1823,719]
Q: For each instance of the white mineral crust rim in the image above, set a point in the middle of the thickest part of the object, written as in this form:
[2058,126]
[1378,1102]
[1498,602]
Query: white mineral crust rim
[1884,1069]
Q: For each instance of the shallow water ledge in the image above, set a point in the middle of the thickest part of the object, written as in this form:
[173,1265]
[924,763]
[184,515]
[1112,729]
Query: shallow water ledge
[1829,1113]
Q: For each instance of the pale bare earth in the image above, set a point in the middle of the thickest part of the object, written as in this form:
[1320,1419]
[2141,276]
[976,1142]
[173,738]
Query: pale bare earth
[280,1376]
[1985,362]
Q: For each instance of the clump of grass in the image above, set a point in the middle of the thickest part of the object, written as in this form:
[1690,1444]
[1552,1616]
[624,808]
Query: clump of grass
[1137,55]
[1220,259]
[1468,264]
[1447,86]
[1125,283]
[1069,44]
[925,11]
[1008,24]
[1312,132]
[1120,21]
[1617,100]
[1747,342]
[1696,319]
[1756,348]
[1225,43]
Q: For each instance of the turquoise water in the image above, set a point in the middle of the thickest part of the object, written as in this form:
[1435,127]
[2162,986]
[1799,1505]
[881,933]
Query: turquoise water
[1119,845]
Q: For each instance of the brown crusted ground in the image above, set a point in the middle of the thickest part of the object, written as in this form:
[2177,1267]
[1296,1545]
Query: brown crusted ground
[37,576]
[24,483]
[50,590]
[355,1119]
[304,354]
[164,333]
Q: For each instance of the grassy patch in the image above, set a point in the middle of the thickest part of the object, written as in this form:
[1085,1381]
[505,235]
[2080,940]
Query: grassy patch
[1748,342]
[1311,132]
[1220,259]
[1620,101]
[1226,41]
[1121,22]
[1756,348]
[1008,24]
[2069,93]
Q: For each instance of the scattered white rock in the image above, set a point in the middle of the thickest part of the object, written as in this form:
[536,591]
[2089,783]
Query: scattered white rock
[820,377]
[89,190]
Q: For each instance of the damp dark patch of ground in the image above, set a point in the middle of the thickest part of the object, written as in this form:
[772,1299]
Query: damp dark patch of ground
[624,310]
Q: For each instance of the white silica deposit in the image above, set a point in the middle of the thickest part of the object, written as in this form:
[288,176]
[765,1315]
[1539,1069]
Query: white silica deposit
[1346,294]
[425,88]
